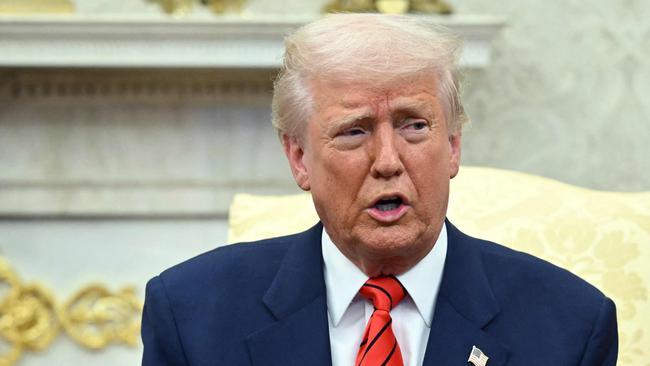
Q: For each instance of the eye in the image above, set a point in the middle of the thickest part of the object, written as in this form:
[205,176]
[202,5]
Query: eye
[416,125]
[350,138]
[355,131]
[419,125]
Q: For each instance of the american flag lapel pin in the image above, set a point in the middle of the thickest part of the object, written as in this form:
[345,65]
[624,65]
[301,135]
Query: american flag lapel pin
[477,357]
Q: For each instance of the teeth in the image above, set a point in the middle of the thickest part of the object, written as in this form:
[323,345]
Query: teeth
[387,206]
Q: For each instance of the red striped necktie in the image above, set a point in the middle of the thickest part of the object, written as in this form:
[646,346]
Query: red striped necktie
[379,346]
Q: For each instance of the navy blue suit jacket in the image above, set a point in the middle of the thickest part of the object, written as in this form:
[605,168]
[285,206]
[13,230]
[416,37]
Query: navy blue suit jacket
[264,303]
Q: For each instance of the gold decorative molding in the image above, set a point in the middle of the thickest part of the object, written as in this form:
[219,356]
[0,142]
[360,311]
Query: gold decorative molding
[36,7]
[179,7]
[175,7]
[225,6]
[94,317]
[389,6]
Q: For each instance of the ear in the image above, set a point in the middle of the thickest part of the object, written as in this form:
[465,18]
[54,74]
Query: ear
[295,153]
[454,156]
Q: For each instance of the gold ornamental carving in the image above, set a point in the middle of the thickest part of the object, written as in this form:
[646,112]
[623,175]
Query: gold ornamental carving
[36,7]
[179,7]
[389,6]
[31,318]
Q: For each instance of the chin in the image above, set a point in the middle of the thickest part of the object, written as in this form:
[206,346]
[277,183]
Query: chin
[390,241]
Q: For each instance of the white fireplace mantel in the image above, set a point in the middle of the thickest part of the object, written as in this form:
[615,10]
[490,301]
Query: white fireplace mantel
[121,117]
[206,42]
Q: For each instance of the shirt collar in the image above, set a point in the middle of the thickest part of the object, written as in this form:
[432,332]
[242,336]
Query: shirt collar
[422,281]
[343,279]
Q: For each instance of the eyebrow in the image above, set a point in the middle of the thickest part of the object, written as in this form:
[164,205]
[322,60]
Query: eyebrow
[413,107]
[399,108]
[348,121]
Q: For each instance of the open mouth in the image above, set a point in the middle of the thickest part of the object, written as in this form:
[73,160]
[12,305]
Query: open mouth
[389,209]
[388,204]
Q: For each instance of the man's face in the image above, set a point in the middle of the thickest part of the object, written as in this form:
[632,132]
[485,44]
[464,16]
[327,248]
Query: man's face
[378,163]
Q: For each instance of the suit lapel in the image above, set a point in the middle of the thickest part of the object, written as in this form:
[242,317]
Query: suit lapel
[464,307]
[297,299]
[452,337]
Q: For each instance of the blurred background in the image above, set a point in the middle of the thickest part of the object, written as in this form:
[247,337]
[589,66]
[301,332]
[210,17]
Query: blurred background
[126,126]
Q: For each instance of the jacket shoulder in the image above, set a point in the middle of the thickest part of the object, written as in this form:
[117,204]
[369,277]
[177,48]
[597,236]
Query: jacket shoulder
[207,305]
[552,307]
[229,264]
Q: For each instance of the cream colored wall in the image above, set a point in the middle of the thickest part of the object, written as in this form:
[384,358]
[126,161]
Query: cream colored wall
[567,93]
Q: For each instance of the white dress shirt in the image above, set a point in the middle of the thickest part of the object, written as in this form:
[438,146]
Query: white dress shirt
[348,312]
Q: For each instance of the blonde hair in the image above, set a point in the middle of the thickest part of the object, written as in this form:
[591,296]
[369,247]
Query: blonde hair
[369,47]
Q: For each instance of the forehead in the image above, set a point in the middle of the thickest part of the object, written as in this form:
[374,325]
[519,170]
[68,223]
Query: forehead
[340,96]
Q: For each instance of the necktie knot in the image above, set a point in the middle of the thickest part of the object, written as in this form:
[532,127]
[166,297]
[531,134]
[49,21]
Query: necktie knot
[385,292]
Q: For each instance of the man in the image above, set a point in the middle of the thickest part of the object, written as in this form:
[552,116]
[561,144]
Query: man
[370,117]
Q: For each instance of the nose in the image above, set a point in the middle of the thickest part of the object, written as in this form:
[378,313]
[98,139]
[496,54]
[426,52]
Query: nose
[387,161]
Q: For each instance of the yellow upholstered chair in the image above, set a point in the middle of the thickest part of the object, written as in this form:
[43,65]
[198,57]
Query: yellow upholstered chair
[604,237]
